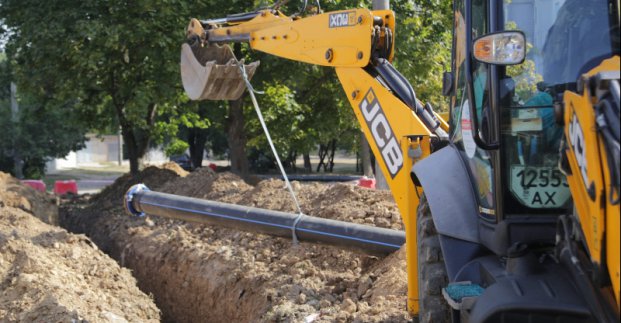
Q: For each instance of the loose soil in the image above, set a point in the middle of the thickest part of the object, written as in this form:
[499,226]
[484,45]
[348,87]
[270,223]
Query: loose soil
[200,273]
[50,275]
[15,195]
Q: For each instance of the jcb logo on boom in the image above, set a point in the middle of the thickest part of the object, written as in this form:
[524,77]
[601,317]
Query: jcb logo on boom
[576,139]
[382,133]
[342,19]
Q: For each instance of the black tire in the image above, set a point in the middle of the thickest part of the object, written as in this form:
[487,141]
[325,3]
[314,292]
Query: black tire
[432,275]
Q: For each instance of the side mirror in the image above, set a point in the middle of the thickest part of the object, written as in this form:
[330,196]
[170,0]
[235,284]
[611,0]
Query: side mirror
[500,48]
[447,83]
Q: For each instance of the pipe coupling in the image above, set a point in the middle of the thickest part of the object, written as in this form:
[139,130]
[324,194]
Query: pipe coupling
[129,198]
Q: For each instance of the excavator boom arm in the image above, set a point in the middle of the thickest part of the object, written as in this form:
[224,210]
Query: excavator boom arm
[338,39]
[359,44]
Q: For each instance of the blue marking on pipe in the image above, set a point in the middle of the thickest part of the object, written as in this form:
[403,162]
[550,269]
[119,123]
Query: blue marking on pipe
[129,197]
[273,224]
[350,238]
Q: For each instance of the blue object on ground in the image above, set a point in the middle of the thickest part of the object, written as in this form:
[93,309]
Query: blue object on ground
[458,291]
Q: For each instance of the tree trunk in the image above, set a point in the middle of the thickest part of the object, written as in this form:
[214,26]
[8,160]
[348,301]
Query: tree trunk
[237,138]
[18,163]
[308,167]
[365,156]
[380,179]
[136,142]
[331,157]
[132,149]
[292,157]
[323,151]
[196,139]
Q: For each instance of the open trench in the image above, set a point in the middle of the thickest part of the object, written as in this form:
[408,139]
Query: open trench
[198,273]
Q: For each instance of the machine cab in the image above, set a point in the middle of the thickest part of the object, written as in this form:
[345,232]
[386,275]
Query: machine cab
[502,111]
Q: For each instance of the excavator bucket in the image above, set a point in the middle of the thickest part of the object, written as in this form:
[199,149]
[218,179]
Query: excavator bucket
[211,72]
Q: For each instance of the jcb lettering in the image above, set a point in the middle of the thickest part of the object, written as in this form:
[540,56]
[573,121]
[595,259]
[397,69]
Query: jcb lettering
[576,139]
[382,133]
[342,19]
[375,126]
[392,156]
[369,113]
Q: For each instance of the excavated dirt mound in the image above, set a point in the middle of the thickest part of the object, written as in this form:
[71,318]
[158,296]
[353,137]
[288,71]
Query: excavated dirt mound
[200,273]
[49,275]
[151,176]
[343,202]
[14,194]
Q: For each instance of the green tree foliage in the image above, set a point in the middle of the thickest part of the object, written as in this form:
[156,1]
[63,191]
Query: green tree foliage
[42,128]
[283,117]
[423,45]
[314,94]
[118,59]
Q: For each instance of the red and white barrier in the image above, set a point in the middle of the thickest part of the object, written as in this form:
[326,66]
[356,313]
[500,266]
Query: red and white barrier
[38,185]
[65,187]
[367,182]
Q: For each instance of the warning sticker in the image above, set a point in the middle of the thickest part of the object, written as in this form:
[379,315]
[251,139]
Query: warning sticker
[466,128]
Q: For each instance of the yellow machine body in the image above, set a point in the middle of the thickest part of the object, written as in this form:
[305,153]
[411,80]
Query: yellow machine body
[588,179]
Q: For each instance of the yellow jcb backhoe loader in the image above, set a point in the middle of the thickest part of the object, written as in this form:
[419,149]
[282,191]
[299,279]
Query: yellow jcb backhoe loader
[500,227]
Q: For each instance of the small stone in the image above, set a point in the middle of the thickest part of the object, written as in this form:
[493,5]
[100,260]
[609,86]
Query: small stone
[363,306]
[149,222]
[324,303]
[311,318]
[358,213]
[75,253]
[341,318]
[314,303]
[382,222]
[301,298]
[348,306]
[111,317]
[56,245]
[27,278]
[330,298]
[365,286]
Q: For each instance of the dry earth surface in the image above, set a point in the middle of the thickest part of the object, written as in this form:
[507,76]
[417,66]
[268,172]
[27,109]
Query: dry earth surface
[200,273]
[50,275]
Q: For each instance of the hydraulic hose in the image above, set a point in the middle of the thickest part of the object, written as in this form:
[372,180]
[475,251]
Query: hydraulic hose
[139,200]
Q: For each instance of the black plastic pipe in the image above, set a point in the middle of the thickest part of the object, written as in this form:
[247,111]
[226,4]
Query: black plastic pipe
[139,200]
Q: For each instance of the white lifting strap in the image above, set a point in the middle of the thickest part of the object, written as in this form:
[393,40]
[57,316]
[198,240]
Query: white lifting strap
[269,140]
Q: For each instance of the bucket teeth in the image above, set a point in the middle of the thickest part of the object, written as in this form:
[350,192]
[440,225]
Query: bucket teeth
[211,73]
